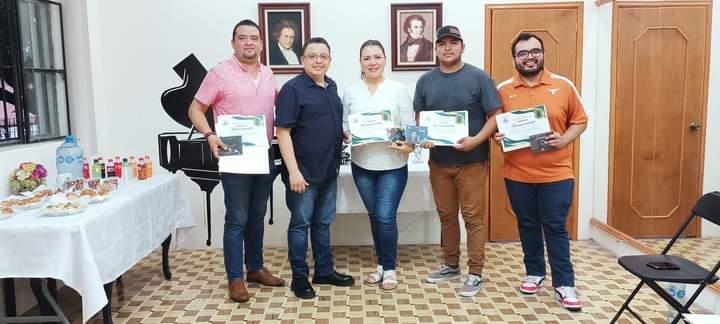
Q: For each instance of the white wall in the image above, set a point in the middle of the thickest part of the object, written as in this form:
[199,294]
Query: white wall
[121,53]
[131,63]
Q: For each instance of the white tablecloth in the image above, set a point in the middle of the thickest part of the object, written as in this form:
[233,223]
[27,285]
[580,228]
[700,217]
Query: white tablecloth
[416,198]
[95,247]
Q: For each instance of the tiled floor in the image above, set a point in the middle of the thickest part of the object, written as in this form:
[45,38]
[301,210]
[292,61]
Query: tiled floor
[197,292]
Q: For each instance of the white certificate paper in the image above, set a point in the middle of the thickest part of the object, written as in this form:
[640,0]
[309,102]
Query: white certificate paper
[254,157]
[445,128]
[370,126]
[519,125]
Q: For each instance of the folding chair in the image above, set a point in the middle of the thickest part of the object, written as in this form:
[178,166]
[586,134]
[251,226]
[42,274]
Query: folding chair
[651,269]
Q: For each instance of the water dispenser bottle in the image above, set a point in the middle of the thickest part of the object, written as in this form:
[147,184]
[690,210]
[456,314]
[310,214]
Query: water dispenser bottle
[69,158]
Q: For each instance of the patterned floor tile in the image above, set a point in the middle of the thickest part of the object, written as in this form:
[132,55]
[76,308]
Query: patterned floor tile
[197,292]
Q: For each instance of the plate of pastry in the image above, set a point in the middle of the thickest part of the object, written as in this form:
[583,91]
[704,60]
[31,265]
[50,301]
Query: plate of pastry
[23,203]
[64,209]
[92,196]
[6,212]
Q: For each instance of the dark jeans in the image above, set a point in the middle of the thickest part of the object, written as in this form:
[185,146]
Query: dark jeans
[246,198]
[312,210]
[542,210]
[381,192]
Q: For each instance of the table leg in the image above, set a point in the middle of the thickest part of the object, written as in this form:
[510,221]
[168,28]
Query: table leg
[36,284]
[107,310]
[208,217]
[9,297]
[165,260]
[46,301]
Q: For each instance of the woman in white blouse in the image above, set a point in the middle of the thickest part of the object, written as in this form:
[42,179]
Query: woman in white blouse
[380,169]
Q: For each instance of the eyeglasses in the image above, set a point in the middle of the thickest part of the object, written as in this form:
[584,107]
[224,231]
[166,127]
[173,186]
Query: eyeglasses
[314,57]
[535,52]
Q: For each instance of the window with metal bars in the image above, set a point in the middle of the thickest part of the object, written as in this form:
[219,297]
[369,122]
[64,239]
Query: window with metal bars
[33,90]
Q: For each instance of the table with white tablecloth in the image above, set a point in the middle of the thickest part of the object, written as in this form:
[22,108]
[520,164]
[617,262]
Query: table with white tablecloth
[92,248]
[417,196]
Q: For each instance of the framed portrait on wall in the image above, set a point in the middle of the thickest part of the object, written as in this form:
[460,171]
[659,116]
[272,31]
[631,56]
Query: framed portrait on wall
[413,29]
[285,27]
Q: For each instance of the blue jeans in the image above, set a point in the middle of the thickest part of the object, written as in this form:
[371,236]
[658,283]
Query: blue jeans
[542,209]
[381,192]
[246,198]
[312,210]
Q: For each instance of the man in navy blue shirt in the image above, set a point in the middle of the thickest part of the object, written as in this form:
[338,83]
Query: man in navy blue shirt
[309,131]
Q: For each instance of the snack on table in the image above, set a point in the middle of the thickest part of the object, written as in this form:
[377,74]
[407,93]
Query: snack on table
[72,196]
[43,193]
[110,184]
[88,193]
[64,206]
[93,183]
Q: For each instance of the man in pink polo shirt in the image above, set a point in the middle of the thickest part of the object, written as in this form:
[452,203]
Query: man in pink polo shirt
[241,86]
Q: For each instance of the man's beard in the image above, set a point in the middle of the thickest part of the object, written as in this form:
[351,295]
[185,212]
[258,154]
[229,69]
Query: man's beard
[539,66]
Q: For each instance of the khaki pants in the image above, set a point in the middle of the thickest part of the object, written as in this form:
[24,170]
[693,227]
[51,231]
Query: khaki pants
[461,188]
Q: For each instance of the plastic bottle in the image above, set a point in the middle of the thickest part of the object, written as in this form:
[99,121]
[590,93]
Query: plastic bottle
[118,167]
[102,168]
[110,171]
[133,167]
[141,169]
[148,167]
[126,172]
[96,169]
[69,158]
[86,169]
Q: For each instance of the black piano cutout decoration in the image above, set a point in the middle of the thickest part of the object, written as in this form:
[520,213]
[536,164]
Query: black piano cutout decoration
[189,151]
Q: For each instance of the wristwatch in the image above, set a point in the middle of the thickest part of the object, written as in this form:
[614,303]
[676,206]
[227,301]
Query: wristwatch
[208,134]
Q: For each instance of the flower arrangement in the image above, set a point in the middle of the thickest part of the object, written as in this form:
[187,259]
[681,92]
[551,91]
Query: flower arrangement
[27,177]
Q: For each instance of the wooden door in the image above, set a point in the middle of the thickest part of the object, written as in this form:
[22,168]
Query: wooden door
[560,25]
[659,96]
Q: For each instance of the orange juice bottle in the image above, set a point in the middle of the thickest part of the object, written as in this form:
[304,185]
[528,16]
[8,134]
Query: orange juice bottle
[148,167]
[133,167]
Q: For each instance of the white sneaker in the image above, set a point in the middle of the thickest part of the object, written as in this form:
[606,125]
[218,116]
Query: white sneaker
[531,284]
[567,297]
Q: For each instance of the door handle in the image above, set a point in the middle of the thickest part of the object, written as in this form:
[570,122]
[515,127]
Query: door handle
[694,126]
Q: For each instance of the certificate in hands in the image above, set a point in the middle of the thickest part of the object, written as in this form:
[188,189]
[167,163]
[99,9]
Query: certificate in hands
[370,126]
[445,128]
[252,155]
[518,126]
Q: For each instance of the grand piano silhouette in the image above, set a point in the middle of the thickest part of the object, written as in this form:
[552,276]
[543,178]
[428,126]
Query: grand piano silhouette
[189,151]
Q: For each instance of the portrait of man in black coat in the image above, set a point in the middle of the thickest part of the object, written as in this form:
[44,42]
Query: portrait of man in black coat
[415,48]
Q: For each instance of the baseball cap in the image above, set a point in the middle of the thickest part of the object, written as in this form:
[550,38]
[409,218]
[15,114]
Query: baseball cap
[448,30]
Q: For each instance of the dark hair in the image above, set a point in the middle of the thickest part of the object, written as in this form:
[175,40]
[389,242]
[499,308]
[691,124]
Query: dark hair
[282,25]
[315,40]
[370,42]
[246,22]
[523,37]
[410,18]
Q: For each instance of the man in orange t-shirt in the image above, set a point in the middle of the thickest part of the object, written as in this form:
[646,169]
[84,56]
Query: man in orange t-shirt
[540,185]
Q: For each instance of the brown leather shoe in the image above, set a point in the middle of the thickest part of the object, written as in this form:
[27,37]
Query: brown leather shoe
[237,291]
[264,277]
